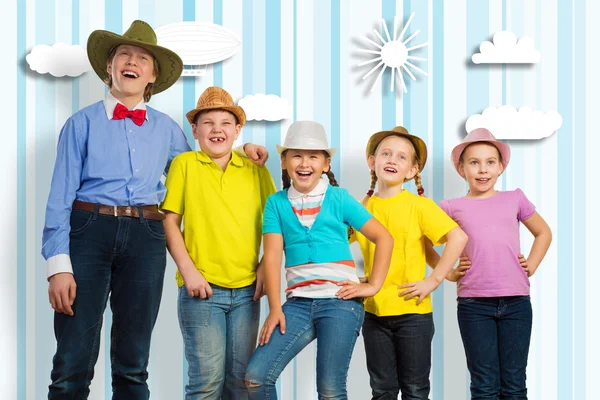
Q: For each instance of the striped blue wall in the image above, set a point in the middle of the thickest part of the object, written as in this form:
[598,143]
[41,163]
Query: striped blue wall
[304,51]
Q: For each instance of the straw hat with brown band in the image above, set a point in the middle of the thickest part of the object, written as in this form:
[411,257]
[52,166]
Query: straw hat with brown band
[214,98]
[417,142]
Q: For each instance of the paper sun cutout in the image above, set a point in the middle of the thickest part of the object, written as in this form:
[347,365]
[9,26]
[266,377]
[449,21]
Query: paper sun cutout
[393,54]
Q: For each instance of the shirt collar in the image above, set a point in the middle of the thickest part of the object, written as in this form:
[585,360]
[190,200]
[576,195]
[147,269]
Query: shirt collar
[110,102]
[235,159]
[319,190]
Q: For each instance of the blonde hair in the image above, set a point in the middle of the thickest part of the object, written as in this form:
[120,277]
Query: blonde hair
[149,86]
[417,176]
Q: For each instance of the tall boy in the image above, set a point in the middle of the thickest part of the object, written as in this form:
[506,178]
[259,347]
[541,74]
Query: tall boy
[220,197]
[103,233]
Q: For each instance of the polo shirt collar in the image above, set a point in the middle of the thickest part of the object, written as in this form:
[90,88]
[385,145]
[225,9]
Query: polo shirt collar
[319,190]
[236,160]
[110,102]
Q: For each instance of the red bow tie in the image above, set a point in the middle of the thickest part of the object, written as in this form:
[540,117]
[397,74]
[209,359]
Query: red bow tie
[137,116]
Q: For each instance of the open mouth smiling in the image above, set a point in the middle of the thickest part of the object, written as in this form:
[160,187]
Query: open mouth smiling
[129,74]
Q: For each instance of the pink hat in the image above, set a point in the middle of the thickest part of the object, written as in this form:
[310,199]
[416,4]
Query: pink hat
[480,135]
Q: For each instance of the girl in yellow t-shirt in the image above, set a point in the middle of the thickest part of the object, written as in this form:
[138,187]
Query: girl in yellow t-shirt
[398,326]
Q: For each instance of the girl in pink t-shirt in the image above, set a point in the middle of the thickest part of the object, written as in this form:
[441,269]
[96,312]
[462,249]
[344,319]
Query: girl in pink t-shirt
[494,308]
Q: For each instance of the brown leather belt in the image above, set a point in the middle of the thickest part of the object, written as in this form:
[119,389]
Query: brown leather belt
[150,212]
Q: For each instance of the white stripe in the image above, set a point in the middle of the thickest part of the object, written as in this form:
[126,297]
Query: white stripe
[8,198]
[548,205]
[305,60]
[455,101]
[32,251]
[593,193]
[364,107]
[129,13]
[233,66]
[204,13]
[287,61]
[495,73]
[401,20]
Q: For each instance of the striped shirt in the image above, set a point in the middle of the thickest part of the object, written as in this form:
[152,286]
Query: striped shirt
[315,280]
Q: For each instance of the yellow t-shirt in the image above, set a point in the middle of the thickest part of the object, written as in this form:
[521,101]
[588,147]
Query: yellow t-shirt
[222,214]
[409,218]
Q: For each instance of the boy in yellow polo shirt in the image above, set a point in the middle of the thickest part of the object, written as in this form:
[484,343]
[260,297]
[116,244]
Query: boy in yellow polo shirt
[220,196]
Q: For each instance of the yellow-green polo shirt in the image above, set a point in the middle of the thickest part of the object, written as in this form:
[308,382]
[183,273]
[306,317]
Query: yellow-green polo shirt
[222,214]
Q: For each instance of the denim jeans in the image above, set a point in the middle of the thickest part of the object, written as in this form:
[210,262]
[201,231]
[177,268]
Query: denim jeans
[496,332]
[126,258]
[398,350]
[334,323]
[219,334]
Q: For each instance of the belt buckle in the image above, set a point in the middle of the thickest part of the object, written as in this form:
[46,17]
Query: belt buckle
[115,210]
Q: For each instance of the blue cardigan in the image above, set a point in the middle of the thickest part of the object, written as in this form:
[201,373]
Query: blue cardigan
[327,239]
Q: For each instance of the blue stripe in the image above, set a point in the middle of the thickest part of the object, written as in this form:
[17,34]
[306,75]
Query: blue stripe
[564,200]
[295,116]
[388,98]
[75,40]
[113,21]
[273,77]
[248,60]
[406,104]
[146,11]
[580,188]
[335,95]
[21,33]
[322,79]
[45,119]
[503,79]
[438,183]
[189,87]
[478,93]
[218,19]
[189,97]
[273,85]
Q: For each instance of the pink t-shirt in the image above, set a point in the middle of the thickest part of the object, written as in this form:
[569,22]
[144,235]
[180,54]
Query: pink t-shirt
[492,225]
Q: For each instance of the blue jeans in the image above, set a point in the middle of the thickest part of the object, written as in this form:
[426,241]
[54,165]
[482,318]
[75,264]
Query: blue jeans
[398,350]
[219,334]
[126,258]
[334,323]
[496,332]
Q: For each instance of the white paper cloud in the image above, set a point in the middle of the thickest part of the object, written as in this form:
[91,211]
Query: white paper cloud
[267,107]
[59,60]
[507,123]
[507,50]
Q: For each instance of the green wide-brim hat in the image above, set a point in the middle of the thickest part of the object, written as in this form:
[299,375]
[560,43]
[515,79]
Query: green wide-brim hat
[100,44]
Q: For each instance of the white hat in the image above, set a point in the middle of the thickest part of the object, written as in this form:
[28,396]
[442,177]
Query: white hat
[306,135]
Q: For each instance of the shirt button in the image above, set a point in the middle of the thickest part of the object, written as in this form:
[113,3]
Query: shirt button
[309,244]
[137,170]
[133,150]
[130,131]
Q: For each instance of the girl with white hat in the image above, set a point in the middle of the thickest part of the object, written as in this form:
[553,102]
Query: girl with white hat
[309,221]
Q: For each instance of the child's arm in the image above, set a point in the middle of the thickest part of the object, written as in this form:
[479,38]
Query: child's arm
[432,257]
[456,242]
[384,244]
[195,283]
[543,237]
[273,244]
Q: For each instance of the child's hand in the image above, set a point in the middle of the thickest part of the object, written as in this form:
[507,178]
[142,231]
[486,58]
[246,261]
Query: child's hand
[351,290]
[457,273]
[418,289]
[196,284]
[256,153]
[530,270]
[260,282]
[276,317]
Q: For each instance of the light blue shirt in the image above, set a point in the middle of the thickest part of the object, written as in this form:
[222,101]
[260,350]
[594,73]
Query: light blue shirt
[112,162]
[327,239]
